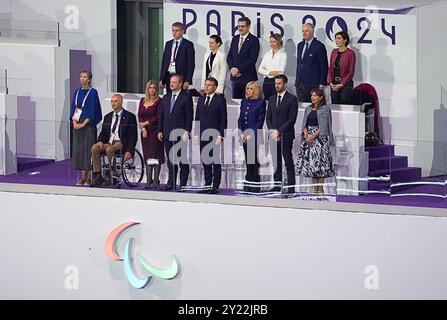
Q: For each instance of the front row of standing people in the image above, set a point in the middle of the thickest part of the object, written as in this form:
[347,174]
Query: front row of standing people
[165,123]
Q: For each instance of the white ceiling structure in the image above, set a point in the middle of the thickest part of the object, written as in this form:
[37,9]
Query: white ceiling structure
[380,4]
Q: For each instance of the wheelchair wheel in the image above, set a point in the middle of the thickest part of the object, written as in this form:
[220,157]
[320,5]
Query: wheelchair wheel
[133,170]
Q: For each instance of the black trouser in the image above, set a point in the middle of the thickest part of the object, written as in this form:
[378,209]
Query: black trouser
[252,163]
[176,158]
[284,150]
[343,96]
[212,169]
[239,88]
[303,92]
[167,81]
[269,88]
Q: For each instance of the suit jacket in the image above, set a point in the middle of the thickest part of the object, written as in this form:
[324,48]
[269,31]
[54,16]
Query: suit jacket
[312,69]
[214,116]
[246,59]
[184,61]
[218,70]
[347,66]
[181,116]
[128,130]
[283,117]
[252,115]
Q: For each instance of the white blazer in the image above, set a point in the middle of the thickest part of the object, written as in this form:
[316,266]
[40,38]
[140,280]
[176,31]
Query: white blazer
[218,70]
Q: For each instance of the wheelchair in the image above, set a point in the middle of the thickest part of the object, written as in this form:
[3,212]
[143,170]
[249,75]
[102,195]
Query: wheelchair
[130,171]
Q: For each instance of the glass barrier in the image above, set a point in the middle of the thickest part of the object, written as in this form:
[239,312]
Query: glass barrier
[397,172]
[24,31]
[3,81]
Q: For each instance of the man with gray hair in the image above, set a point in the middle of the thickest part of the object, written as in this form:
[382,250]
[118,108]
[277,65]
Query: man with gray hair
[312,64]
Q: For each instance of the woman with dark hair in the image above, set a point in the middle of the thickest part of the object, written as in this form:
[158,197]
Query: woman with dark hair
[85,114]
[341,70]
[273,63]
[214,64]
[148,116]
[314,156]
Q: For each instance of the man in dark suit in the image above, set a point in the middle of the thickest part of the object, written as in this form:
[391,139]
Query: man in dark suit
[174,128]
[118,133]
[242,57]
[312,64]
[282,112]
[211,117]
[178,58]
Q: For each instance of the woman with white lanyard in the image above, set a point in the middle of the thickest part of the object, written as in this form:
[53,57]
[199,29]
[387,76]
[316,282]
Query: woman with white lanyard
[85,114]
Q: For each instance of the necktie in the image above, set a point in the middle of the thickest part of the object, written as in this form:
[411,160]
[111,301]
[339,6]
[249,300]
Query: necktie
[207,103]
[115,124]
[305,49]
[175,51]
[279,101]
[241,42]
[172,103]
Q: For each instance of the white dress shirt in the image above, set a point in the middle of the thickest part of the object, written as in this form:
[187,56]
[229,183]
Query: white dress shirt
[114,136]
[273,62]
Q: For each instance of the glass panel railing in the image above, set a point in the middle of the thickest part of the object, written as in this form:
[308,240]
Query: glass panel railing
[3,81]
[397,172]
[26,31]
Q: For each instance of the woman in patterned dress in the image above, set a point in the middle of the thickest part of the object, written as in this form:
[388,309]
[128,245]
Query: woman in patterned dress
[314,156]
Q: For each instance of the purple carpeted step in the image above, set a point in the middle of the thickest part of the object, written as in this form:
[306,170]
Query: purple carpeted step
[418,188]
[392,162]
[378,186]
[382,151]
[399,174]
[30,163]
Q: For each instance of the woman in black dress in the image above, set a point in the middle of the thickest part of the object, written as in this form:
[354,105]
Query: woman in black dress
[148,115]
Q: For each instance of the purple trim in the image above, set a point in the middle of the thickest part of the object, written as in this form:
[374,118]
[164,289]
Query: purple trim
[288,7]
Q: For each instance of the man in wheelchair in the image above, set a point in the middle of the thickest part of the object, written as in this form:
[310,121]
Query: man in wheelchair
[118,136]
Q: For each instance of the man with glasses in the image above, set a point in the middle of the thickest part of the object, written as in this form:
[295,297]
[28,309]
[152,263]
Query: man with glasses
[241,59]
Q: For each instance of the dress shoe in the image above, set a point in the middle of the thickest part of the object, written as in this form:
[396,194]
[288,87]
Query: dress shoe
[275,189]
[98,180]
[213,191]
[168,187]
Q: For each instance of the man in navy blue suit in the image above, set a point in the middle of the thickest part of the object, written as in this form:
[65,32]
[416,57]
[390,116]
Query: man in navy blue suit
[312,64]
[282,113]
[174,127]
[178,58]
[242,57]
[211,117]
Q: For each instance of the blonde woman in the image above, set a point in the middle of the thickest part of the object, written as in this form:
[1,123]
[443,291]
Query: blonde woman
[273,64]
[251,119]
[148,116]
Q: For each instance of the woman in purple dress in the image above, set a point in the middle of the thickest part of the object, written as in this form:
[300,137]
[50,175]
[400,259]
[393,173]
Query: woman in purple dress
[148,115]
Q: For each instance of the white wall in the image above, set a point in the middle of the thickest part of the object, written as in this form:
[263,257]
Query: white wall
[93,30]
[432,103]
[225,251]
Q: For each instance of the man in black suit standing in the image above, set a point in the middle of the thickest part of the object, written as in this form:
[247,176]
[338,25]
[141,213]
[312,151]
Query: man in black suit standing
[242,57]
[118,133]
[174,128]
[178,58]
[211,117]
[282,113]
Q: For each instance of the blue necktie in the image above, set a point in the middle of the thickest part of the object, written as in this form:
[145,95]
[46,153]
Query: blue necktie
[305,49]
[172,103]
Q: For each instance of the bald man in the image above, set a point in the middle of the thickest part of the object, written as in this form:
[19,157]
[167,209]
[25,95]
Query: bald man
[118,134]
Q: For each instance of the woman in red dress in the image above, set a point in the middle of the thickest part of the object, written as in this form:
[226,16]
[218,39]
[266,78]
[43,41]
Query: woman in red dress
[148,115]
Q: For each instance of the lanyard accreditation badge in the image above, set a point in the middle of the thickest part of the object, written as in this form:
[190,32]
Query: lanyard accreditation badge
[78,110]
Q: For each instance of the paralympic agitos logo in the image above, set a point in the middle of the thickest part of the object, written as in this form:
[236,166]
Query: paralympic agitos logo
[134,279]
